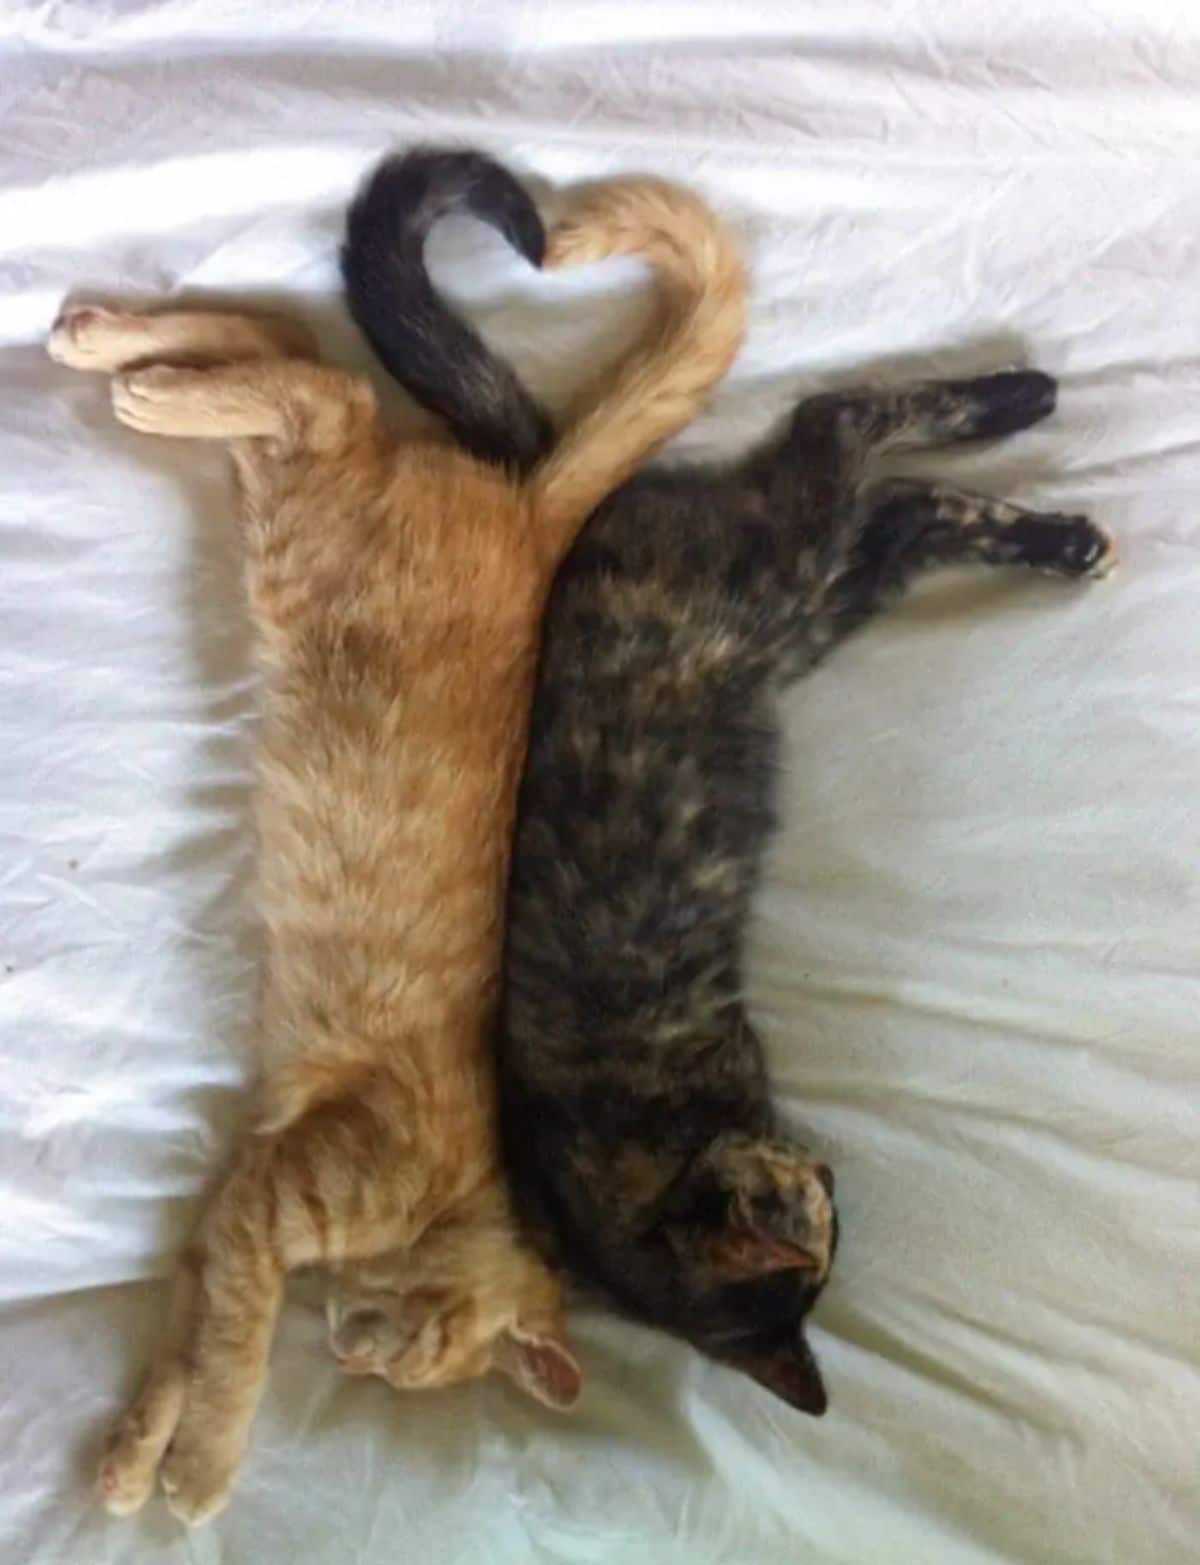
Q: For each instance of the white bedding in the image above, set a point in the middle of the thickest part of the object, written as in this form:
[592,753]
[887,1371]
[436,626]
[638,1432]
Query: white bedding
[977,953]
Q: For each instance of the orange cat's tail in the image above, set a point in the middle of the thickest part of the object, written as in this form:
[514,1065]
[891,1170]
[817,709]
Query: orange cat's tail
[700,318]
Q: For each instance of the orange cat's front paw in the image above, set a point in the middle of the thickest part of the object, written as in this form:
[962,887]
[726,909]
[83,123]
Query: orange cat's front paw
[197,1480]
[126,1477]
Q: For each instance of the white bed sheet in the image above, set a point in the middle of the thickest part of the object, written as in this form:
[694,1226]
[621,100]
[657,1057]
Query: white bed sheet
[977,953]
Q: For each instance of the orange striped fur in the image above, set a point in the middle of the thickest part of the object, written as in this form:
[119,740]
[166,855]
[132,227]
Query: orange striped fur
[397,592]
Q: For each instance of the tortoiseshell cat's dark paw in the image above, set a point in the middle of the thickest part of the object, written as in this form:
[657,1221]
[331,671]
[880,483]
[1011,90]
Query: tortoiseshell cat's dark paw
[1009,400]
[1065,546]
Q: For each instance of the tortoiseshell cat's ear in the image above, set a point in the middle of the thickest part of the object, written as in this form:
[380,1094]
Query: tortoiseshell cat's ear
[541,1363]
[788,1369]
[741,1250]
[750,1207]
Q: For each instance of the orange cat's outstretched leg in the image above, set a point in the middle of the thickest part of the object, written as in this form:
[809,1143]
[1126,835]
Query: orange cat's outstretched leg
[287,1202]
[190,1422]
[208,375]
[314,407]
[243,379]
[242,1273]
[136,1446]
[88,337]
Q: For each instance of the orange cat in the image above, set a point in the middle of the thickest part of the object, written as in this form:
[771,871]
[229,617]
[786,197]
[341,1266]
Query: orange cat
[397,592]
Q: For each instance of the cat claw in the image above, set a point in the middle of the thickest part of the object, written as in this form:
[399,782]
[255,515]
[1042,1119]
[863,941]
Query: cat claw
[1090,554]
[1107,558]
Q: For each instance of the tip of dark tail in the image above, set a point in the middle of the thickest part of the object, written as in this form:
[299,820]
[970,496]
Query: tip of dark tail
[407,193]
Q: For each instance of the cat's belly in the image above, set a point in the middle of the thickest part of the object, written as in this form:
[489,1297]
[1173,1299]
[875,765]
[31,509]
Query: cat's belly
[383,861]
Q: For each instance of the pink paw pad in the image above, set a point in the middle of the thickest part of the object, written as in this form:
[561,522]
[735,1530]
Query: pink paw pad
[76,320]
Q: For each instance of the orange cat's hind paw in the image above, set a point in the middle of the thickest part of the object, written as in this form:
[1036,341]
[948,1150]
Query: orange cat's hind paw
[87,337]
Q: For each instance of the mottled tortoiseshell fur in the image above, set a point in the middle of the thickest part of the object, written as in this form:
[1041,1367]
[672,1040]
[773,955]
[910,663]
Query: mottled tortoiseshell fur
[637,1117]
[637,1112]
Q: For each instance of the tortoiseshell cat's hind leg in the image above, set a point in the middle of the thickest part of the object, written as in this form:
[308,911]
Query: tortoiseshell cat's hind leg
[914,526]
[932,412]
[816,479]
[926,524]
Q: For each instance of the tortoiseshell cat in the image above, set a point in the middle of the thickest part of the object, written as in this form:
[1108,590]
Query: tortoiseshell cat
[637,1115]
[397,592]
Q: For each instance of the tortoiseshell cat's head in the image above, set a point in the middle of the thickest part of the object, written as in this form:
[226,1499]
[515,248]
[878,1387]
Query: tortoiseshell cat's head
[724,1238]
[748,1236]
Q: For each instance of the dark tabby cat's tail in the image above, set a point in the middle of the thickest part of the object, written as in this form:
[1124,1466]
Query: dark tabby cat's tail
[436,356]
